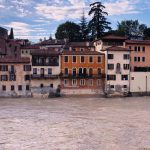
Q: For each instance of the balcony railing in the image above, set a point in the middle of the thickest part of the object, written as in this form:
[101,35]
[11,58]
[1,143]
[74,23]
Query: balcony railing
[44,76]
[82,75]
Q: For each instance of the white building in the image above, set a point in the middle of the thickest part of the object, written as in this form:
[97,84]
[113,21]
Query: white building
[117,70]
[45,71]
[140,82]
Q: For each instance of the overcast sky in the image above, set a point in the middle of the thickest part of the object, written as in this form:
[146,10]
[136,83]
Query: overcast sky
[35,19]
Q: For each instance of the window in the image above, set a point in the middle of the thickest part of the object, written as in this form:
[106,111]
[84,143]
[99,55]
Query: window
[74,82]
[112,86]
[99,71]
[90,82]
[74,59]
[125,86]
[51,85]
[132,78]
[90,59]
[74,72]
[19,87]
[12,88]
[82,59]
[12,77]
[82,82]
[27,87]
[124,77]
[99,59]
[27,77]
[90,71]
[130,47]
[110,56]
[34,70]
[12,69]
[50,71]
[138,59]
[98,82]
[66,59]
[3,68]
[110,66]
[65,82]
[126,56]
[143,49]
[126,66]
[85,71]
[135,49]
[66,71]
[41,85]
[4,78]
[139,49]
[135,59]
[80,71]
[3,87]
[143,59]
[111,77]
[27,67]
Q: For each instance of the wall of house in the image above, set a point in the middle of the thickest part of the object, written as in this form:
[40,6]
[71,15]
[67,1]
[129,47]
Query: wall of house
[20,80]
[140,54]
[140,82]
[118,58]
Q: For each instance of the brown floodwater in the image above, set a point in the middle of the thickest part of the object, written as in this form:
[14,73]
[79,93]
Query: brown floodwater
[75,124]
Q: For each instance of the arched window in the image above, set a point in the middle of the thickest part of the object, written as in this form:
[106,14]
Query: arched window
[84,71]
[80,71]
[66,71]
[90,71]
[99,71]
[118,68]
[74,72]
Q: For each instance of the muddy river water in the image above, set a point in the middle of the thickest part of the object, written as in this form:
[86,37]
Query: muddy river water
[75,124]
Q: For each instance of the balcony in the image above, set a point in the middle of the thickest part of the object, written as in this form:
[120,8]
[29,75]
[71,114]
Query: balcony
[80,76]
[11,71]
[44,76]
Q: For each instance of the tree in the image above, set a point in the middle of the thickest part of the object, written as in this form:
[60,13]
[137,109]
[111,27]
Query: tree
[131,28]
[98,24]
[11,36]
[68,30]
[147,34]
[84,28]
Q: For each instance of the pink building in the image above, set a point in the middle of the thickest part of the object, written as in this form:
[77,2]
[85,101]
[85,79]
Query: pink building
[140,55]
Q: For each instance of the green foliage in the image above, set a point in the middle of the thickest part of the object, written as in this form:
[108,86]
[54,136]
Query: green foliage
[147,34]
[98,24]
[68,30]
[131,28]
[84,28]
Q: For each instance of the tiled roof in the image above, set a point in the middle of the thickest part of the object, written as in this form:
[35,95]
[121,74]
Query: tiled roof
[113,37]
[44,52]
[80,44]
[15,60]
[116,48]
[145,42]
[31,47]
[82,53]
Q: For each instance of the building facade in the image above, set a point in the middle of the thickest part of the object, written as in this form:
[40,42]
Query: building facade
[118,70]
[140,55]
[82,72]
[15,77]
[45,71]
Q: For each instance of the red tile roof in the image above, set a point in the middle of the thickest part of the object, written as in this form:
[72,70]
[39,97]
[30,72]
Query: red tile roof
[113,37]
[15,60]
[82,53]
[143,42]
[116,48]
[45,52]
